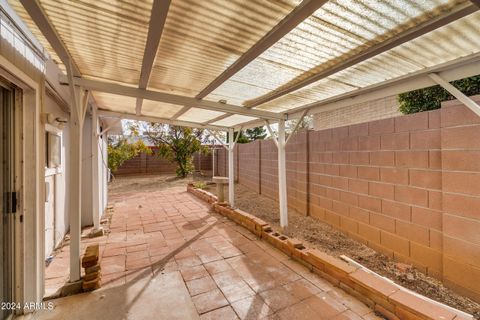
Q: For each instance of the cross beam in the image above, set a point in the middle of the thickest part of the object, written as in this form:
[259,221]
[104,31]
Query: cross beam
[472,105]
[113,114]
[158,16]
[300,13]
[408,35]
[123,90]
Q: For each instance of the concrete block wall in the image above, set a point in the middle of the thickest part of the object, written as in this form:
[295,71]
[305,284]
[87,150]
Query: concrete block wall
[461,198]
[406,186]
[152,164]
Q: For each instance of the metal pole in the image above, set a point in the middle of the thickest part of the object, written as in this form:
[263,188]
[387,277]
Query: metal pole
[231,174]
[282,175]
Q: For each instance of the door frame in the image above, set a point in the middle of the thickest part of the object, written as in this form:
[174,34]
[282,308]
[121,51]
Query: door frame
[29,242]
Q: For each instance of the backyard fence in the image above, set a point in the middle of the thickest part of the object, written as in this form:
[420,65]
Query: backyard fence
[153,164]
[407,186]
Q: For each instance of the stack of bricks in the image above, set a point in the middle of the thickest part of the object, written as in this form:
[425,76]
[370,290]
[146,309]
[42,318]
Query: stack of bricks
[91,280]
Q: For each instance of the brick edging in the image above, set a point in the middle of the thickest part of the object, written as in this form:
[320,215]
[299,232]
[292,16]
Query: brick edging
[380,294]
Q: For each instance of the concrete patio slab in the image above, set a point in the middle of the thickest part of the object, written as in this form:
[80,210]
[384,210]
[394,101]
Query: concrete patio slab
[167,256]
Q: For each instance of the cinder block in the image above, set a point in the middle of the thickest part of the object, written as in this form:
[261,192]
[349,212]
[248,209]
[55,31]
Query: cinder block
[412,159]
[369,173]
[382,222]
[368,232]
[394,242]
[412,122]
[394,175]
[381,126]
[396,210]
[461,182]
[358,186]
[427,217]
[411,195]
[462,228]
[359,158]
[425,140]
[359,214]
[395,141]
[370,203]
[413,232]
[461,160]
[382,158]
[461,137]
[381,190]
[369,143]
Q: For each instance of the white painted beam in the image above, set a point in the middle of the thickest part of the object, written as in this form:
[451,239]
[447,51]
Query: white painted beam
[123,90]
[299,121]
[113,114]
[158,16]
[274,138]
[456,13]
[223,116]
[181,112]
[472,105]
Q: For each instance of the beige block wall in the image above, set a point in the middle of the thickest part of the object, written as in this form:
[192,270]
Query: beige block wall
[357,113]
[407,186]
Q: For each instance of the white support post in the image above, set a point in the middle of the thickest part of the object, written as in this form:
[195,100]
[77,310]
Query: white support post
[95,175]
[231,171]
[472,105]
[75,203]
[213,161]
[282,174]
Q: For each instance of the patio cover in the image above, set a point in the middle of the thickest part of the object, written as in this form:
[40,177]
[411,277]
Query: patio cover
[231,64]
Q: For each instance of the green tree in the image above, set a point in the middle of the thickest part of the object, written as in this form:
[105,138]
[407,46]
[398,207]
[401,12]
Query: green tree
[431,98]
[176,144]
[257,133]
[119,150]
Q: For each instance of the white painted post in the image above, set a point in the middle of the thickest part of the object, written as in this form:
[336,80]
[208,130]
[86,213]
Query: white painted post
[231,174]
[75,203]
[282,175]
[213,161]
[95,175]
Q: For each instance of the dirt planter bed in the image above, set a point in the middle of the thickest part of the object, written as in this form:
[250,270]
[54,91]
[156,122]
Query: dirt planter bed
[381,294]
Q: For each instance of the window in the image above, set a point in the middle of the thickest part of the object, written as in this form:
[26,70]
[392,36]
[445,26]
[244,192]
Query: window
[53,150]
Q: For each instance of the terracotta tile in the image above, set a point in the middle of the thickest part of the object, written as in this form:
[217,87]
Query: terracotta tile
[200,285]
[237,292]
[209,301]
[192,273]
[225,313]
[217,266]
[278,298]
[301,289]
[299,311]
[252,308]
[325,305]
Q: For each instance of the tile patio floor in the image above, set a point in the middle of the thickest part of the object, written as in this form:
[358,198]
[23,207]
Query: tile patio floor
[168,257]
